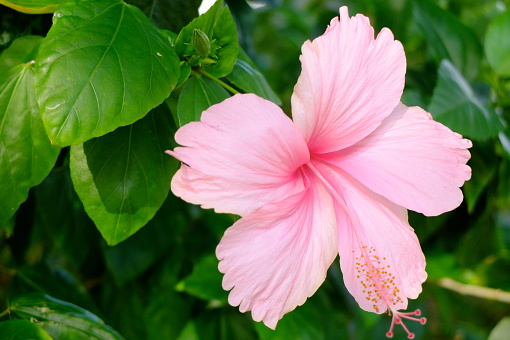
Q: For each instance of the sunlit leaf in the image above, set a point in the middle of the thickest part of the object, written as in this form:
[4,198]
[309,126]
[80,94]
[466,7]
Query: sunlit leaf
[102,65]
[497,44]
[62,320]
[197,95]
[26,155]
[448,38]
[454,104]
[33,6]
[22,330]
[122,178]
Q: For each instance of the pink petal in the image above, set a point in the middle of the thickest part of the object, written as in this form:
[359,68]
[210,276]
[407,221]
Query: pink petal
[276,257]
[350,82]
[243,153]
[411,160]
[380,256]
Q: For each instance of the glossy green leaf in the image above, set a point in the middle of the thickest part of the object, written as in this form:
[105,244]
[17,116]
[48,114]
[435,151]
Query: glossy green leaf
[21,51]
[197,95]
[224,32]
[454,104]
[205,281]
[26,155]
[249,79]
[62,320]
[217,23]
[22,330]
[448,38]
[497,44]
[205,23]
[501,331]
[33,6]
[123,178]
[102,65]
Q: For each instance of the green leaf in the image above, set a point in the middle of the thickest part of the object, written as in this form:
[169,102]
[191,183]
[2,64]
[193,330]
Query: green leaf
[303,323]
[22,330]
[197,95]
[205,281]
[168,305]
[225,33]
[454,104]
[497,44]
[169,14]
[62,320]
[56,282]
[59,214]
[145,247]
[217,23]
[26,155]
[249,79]
[21,51]
[102,65]
[33,6]
[123,177]
[124,306]
[7,228]
[501,331]
[485,164]
[205,23]
[448,38]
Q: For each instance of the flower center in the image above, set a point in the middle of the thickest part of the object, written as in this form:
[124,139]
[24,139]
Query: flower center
[379,284]
[376,278]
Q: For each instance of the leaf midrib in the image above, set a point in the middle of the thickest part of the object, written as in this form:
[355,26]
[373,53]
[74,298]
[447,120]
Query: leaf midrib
[95,68]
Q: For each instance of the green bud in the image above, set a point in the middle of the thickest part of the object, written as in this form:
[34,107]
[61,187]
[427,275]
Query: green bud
[201,43]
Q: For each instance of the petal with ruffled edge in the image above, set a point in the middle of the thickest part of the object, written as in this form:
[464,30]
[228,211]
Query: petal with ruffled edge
[243,153]
[411,160]
[276,257]
[350,82]
[380,255]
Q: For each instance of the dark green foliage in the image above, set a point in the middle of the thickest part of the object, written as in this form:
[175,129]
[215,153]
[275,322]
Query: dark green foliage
[94,246]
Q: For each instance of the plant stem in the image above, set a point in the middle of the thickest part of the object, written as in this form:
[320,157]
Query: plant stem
[5,312]
[216,80]
[477,291]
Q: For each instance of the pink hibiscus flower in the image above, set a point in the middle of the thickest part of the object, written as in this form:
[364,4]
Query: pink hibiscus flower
[336,180]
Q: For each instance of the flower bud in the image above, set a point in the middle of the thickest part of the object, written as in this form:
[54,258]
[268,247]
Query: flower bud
[201,43]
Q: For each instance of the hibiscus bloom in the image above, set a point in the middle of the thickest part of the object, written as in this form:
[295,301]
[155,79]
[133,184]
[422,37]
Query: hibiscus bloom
[337,179]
